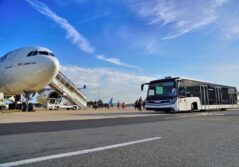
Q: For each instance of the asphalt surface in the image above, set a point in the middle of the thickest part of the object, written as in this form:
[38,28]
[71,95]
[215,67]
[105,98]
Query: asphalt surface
[187,139]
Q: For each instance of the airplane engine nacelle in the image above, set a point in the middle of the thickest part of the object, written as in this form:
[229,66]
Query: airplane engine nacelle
[44,96]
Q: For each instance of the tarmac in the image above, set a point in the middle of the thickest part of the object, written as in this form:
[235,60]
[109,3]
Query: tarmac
[43,115]
[208,139]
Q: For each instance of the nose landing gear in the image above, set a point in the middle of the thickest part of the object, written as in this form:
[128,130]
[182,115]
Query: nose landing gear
[26,106]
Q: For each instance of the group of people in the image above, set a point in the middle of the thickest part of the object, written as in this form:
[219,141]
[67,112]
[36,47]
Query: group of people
[123,105]
[100,105]
[139,104]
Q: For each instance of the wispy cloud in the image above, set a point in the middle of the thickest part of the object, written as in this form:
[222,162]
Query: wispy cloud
[115,61]
[76,37]
[187,28]
[105,83]
[179,17]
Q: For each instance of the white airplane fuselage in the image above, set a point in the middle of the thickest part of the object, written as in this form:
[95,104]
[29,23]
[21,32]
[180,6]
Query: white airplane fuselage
[23,72]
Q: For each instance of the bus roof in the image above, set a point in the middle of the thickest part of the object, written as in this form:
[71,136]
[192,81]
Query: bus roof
[168,79]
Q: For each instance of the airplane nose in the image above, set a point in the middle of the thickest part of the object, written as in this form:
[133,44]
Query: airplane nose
[52,67]
[47,69]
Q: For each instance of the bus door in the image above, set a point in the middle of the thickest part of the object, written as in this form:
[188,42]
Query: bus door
[218,96]
[232,96]
[204,97]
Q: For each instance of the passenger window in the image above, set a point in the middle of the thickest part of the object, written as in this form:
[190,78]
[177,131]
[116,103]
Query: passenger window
[182,91]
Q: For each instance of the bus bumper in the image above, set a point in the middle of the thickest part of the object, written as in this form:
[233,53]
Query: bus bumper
[166,107]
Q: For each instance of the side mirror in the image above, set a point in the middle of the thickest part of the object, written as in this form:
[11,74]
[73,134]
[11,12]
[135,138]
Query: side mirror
[142,86]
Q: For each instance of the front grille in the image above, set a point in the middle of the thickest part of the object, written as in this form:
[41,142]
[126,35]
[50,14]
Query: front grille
[158,102]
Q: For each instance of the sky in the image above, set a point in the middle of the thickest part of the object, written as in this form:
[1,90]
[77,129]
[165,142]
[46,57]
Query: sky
[113,46]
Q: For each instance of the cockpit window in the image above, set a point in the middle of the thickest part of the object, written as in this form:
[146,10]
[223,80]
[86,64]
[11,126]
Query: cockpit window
[35,53]
[43,53]
[30,54]
[51,54]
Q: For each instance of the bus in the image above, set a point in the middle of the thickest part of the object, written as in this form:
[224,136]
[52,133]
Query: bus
[176,94]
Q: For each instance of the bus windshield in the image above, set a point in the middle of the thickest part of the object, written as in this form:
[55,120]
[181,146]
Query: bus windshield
[162,89]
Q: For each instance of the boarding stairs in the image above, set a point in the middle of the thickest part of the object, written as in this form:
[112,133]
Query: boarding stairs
[68,90]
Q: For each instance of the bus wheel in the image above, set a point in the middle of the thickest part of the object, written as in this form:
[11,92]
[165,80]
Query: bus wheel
[194,107]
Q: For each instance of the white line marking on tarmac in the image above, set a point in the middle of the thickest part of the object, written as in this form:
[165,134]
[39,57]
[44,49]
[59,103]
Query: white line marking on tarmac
[80,152]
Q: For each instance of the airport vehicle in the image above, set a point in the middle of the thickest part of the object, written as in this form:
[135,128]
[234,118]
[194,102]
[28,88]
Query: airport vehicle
[238,98]
[61,87]
[49,98]
[68,106]
[27,70]
[1,101]
[177,94]
[52,104]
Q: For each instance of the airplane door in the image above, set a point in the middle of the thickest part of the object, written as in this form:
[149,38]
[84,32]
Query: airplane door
[1,70]
[9,60]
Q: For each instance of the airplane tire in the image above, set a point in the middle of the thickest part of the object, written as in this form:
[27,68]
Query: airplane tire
[30,107]
[24,107]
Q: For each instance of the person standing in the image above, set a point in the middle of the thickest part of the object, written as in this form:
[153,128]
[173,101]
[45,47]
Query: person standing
[140,102]
[95,105]
[118,104]
[144,105]
[123,105]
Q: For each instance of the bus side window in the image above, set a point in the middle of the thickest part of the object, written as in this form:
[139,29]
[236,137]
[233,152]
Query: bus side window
[181,92]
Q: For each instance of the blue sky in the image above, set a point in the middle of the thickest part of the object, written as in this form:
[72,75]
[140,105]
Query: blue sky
[113,46]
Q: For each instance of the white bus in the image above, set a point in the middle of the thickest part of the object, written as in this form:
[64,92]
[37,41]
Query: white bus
[175,94]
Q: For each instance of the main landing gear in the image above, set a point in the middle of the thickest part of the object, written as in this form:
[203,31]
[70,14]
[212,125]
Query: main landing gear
[26,106]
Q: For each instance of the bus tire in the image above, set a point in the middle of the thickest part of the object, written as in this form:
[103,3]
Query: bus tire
[194,107]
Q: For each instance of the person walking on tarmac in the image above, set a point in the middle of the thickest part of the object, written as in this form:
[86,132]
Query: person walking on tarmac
[136,105]
[144,104]
[140,102]
[118,104]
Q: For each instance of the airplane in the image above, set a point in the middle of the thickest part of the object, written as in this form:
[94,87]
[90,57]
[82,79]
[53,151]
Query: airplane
[111,102]
[27,70]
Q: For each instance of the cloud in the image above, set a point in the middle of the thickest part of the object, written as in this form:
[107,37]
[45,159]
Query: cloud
[180,17]
[115,61]
[104,83]
[78,39]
